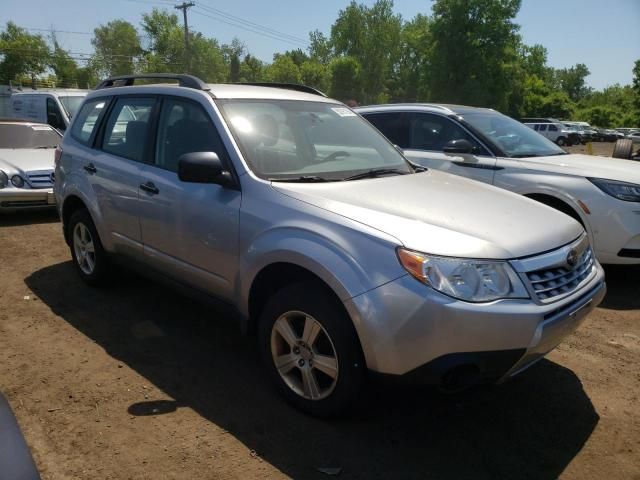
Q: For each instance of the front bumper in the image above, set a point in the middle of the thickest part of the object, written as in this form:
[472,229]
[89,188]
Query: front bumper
[405,326]
[23,198]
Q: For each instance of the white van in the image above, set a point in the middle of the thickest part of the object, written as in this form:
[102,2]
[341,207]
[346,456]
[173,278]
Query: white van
[55,107]
[554,131]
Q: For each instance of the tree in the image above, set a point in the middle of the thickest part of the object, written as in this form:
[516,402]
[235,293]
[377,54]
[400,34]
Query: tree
[408,78]
[636,90]
[64,67]
[117,48]
[315,75]
[346,79]
[232,54]
[167,50]
[297,56]
[572,81]
[22,54]
[371,35]
[474,51]
[320,48]
[251,69]
[284,70]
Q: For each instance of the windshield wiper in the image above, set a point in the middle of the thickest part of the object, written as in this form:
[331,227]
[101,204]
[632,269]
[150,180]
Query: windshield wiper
[534,155]
[47,146]
[375,172]
[302,179]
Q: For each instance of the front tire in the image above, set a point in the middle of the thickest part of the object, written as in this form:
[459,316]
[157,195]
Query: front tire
[561,141]
[311,350]
[89,257]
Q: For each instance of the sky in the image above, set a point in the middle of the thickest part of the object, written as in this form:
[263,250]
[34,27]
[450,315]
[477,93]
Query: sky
[604,35]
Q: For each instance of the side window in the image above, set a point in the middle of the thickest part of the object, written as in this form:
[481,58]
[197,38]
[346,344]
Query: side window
[553,128]
[125,133]
[394,126]
[536,127]
[543,128]
[87,119]
[184,127]
[54,116]
[433,132]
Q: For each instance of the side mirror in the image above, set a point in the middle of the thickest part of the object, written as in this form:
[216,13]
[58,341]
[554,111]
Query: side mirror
[458,146]
[203,167]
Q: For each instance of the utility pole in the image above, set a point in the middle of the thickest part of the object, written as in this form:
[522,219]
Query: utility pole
[184,6]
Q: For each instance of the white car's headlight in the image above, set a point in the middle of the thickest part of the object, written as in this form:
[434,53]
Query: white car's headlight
[464,279]
[4,179]
[628,192]
[17,181]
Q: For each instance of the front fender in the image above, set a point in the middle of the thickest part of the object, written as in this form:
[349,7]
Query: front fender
[349,268]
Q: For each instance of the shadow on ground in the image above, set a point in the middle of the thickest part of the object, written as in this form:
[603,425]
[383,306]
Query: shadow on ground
[28,217]
[623,287]
[531,427]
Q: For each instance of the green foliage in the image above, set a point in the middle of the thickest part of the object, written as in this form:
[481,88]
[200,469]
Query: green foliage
[474,43]
[251,69]
[320,48]
[168,54]
[573,81]
[345,79]
[117,48]
[371,35]
[22,54]
[283,69]
[600,116]
[316,75]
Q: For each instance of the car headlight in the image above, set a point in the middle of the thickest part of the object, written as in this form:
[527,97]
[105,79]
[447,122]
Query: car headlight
[4,180]
[17,181]
[628,192]
[464,279]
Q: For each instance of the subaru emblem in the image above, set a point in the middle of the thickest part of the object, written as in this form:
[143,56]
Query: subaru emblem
[572,258]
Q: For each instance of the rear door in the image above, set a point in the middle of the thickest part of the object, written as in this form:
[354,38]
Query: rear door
[189,230]
[113,168]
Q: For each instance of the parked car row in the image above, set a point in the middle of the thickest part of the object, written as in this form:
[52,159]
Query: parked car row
[346,252]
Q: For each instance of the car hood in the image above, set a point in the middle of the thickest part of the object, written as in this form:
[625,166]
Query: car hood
[443,214]
[588,166]
[21,160]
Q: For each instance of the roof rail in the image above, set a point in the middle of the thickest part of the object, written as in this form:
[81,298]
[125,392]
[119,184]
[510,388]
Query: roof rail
[288,86]
[184,80]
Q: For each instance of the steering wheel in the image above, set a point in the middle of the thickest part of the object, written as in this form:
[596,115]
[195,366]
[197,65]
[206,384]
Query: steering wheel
[335,155]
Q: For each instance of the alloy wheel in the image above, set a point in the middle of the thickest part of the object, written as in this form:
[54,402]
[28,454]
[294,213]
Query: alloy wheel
[84,249]
[304,355]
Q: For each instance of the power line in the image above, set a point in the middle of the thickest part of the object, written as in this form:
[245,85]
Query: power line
[264,34]
[251,24]
[184,7]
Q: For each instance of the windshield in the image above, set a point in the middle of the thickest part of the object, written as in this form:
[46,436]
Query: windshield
[285,139]
[71,104]
[513,138]
[15,135]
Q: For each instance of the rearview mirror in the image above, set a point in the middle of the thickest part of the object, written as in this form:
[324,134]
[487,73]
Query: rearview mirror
[203,167]
[458,146]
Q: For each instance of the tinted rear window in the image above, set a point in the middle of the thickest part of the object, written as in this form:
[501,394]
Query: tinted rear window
[28,136]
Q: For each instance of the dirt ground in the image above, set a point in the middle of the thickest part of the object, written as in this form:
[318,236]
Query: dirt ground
[137,382]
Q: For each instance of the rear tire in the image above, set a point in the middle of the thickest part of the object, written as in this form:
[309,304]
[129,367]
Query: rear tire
[623,148]
[89,257]
[306,331]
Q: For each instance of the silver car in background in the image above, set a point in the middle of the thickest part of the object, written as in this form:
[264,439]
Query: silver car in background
[340,254]
[26,165]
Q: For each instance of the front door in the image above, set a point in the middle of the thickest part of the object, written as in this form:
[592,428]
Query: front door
[428,136]
[189,230]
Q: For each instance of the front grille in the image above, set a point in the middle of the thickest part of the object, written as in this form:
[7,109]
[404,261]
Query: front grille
[549,283]
[40,178]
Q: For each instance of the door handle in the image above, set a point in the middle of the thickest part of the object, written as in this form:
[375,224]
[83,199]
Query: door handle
[149,187]
[90,168]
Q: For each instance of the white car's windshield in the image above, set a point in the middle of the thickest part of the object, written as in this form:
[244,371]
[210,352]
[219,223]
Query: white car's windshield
[286,139]
[513,138]
[71,103]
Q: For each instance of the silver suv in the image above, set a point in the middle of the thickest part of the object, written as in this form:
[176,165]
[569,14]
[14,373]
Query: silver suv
[342,256]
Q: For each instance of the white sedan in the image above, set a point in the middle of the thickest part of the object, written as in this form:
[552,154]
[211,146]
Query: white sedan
[27,152]
[602,193]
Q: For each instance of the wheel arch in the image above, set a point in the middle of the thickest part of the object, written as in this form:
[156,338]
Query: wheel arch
[70,205]
[561,204]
